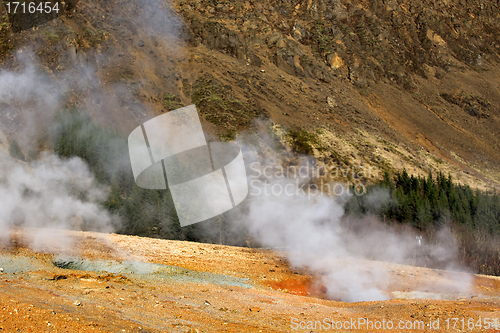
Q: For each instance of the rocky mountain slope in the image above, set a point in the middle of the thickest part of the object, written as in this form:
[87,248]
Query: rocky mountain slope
[393,84]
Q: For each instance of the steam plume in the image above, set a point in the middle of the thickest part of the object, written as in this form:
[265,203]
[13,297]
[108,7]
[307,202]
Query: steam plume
[52,192]
[346,251]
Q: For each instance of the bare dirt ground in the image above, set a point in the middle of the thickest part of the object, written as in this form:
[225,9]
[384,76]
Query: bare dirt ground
[210,288]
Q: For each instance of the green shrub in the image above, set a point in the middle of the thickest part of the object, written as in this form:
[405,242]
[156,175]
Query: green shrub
[303,142]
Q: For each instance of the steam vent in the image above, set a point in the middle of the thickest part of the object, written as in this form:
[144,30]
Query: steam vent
[194,166]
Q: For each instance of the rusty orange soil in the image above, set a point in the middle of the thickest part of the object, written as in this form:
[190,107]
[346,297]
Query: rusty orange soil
[278,298]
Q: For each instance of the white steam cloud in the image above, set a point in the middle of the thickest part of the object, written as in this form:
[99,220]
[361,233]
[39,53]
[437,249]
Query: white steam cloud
[50,193]
[348,253]
[27,98]
[63,194]
[53,193]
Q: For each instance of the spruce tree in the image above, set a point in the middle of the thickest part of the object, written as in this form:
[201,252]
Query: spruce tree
[15,151]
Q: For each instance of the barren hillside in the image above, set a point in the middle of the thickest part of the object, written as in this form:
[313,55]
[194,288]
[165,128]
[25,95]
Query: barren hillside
[387,83]
[391,84]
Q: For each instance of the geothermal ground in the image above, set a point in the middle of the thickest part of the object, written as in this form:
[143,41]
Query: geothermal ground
[92,282]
